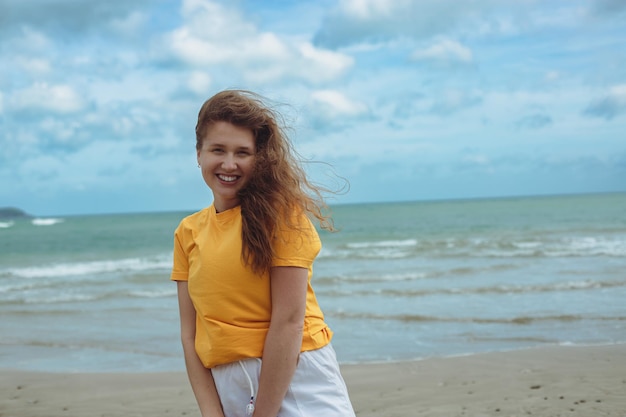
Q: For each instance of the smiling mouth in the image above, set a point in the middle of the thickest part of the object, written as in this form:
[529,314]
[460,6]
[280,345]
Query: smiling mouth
[227,178]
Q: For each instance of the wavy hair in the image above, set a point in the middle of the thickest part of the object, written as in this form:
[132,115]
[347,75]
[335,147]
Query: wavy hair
[278,186]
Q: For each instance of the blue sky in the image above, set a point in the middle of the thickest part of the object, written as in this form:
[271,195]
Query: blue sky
[408,100]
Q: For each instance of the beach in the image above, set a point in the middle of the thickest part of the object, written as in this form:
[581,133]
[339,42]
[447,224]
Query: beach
[501,307]
[573,381]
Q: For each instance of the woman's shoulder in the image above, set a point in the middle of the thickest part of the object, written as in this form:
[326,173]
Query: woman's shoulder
[296,223]
[294,217]
[197,219]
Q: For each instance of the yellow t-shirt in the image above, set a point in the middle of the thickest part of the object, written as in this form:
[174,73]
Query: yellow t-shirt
[233,304]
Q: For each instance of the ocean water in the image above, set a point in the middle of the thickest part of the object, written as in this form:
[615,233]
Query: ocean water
[398,281]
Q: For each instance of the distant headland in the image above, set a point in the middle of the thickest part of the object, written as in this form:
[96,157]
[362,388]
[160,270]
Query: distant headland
[13,213]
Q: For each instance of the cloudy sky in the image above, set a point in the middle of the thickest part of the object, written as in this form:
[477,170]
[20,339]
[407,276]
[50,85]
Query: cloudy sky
[408,100]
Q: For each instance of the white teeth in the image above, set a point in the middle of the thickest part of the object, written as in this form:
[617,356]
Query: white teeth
[227,178]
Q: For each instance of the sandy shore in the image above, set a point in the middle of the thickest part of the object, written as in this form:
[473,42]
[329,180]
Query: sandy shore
[552,381]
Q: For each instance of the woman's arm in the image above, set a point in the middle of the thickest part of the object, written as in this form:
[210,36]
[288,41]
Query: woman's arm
[284,338]
[200,377]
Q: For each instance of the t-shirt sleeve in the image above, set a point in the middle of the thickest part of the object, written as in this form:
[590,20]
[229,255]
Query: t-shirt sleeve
[182,240]
[296,246]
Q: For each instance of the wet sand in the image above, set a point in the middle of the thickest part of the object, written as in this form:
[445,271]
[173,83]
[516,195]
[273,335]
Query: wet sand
[548,381]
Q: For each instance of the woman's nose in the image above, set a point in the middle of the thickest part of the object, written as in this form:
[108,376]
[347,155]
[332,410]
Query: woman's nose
[229,162]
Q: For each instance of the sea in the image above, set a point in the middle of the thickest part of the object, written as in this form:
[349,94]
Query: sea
[397,281]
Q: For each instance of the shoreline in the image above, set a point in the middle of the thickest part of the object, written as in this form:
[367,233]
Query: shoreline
[554,380]
[347,364]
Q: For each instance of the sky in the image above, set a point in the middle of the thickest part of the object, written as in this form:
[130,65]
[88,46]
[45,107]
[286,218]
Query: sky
[406,100]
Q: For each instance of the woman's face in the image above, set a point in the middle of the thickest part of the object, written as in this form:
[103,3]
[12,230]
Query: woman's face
[227,162]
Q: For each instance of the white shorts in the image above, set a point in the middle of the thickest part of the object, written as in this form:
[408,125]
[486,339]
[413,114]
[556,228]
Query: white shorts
[316,389]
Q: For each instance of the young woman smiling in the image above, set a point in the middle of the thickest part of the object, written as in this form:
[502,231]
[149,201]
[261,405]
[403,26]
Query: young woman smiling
[254,337]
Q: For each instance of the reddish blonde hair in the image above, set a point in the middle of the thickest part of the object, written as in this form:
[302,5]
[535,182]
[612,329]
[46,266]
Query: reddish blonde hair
[278,185]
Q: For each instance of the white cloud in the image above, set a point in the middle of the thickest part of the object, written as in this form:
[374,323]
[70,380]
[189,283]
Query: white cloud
[444,50]
[552,76]
[36,66]
[214,35]
[212,19]
[354,22]
[477,159]
[534,121]
[336,103]
[329,112]
[64,15]
[370,9]
[31,40]
[42,96]
[322,64]
[359,21]
[619,92]
[454,100]
[611,105]
[129,25]
[199,82]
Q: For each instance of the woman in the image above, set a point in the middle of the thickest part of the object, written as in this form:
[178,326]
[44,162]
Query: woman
[254,338]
